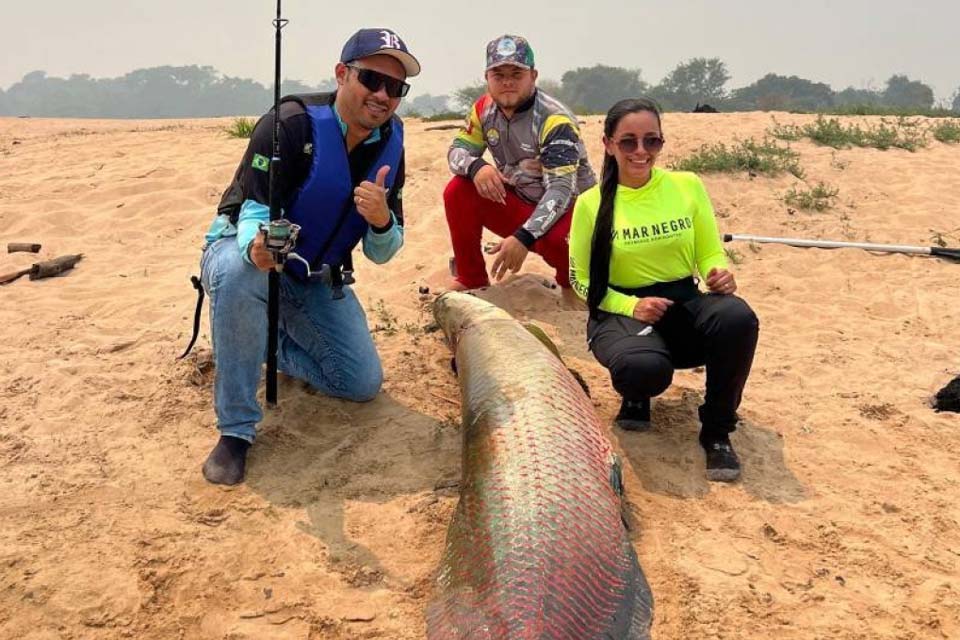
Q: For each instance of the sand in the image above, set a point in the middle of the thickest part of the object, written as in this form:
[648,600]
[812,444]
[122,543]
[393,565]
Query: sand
[845,525]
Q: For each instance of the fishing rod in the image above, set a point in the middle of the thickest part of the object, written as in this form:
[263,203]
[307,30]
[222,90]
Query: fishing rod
[942,252]
[280,234]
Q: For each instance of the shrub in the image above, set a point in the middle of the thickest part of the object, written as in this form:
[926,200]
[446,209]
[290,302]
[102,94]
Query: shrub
[241,128]
[818,198]
[765,157]
[947,131]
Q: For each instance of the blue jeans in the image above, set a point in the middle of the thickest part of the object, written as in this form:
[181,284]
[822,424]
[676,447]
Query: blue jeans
[323,341]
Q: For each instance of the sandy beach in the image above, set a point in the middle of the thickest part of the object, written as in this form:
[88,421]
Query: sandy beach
[846,524]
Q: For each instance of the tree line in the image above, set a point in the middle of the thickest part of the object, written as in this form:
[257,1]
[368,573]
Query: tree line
[590,90]
[157,92]
[200,91]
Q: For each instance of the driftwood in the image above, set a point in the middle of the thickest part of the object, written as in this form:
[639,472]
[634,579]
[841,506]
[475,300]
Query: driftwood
[26,247]
[443,127]
[54,267]
[7,278]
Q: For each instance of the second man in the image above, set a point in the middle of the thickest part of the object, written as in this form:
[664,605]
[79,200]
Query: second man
[540,166]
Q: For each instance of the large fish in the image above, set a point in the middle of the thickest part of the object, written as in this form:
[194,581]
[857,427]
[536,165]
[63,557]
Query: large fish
[537,548]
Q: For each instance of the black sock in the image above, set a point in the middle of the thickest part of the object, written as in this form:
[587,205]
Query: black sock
[227,462]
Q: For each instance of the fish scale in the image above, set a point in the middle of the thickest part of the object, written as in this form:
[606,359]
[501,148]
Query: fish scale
[537,548]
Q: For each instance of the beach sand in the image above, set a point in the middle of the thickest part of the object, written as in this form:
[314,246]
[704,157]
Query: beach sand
[846,524]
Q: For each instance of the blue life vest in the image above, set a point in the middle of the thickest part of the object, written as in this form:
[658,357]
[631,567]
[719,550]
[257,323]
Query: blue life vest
[324,208]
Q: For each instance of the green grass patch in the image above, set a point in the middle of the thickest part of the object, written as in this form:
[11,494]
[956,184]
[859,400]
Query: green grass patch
[241,128]
[734,256]
[901,133]
[947,131]
[766,157]
[787,132]
[819,198]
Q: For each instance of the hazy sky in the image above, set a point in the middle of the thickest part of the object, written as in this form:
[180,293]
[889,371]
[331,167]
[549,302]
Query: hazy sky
[842,43]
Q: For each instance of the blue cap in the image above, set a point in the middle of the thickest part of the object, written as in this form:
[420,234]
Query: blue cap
[372,42]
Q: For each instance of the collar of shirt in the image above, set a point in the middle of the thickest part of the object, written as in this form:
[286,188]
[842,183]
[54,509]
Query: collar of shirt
[373,137]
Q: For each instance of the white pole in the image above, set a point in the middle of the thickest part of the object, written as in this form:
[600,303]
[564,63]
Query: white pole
[831,244]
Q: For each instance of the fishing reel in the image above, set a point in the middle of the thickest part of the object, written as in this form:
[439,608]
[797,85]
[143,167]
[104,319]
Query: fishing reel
[279,238]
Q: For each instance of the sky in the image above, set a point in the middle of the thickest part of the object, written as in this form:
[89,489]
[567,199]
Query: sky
[844,43]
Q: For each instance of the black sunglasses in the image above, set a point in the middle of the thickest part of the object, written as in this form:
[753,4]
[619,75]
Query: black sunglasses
[651,144]
[373,80]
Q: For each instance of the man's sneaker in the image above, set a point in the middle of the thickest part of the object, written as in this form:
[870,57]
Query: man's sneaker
[634,416]
[723,465]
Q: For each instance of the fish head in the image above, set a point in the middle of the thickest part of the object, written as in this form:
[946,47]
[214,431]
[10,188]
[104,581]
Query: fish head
[455,311]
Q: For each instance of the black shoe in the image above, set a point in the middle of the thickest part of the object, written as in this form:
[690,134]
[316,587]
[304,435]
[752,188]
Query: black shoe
[723,465]
[634,416]
[227,462]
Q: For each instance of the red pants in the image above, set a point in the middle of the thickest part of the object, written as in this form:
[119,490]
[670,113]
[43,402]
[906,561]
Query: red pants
[467,215]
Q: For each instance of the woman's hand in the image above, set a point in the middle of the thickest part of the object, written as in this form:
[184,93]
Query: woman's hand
[721,281]
[650,310]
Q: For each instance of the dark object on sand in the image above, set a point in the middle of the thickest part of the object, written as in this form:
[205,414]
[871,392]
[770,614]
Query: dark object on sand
[443,127]
[941,252]
[704,108]
[55,267]
[45,269]
[7,278]
[25,247]
[948,398]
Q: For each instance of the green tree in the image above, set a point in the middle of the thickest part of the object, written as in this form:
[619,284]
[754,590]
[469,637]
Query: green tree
[552,88]
[464,97]
[782,93]
[168,92]
[858,97]
[700,80]
[424,105]
[956,101]
[290,87]
[595,89]
[903,92]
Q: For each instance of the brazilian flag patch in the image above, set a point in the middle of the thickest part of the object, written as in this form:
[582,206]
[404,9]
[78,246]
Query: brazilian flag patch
[261,162]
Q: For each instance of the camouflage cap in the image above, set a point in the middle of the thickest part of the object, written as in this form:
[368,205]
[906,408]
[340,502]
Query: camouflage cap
[509,49]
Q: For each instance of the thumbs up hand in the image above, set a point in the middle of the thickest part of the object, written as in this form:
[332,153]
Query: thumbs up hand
[371,199]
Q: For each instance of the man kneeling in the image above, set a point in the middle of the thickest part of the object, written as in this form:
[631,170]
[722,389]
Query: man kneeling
[527,195]
[341,181]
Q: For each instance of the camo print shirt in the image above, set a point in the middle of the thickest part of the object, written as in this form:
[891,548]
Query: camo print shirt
[538,150]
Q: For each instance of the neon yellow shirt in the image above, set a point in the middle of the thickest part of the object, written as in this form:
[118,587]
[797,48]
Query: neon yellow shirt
[663,231]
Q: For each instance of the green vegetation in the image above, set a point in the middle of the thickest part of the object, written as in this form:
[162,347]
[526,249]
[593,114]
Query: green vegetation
[200,91]
[901,133]
[881,110]
[386,321]
[589,90]
[819,198]
[765,157]
[734,256]
[241,127]
[947,131]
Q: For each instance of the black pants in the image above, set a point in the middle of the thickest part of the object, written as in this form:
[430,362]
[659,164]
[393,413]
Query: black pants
[719,331]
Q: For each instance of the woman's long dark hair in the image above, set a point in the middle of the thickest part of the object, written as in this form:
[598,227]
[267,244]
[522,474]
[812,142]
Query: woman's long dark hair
[602,242]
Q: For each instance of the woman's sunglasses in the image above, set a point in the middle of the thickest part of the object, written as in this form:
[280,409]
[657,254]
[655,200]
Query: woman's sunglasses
[373,80]
[651,144]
